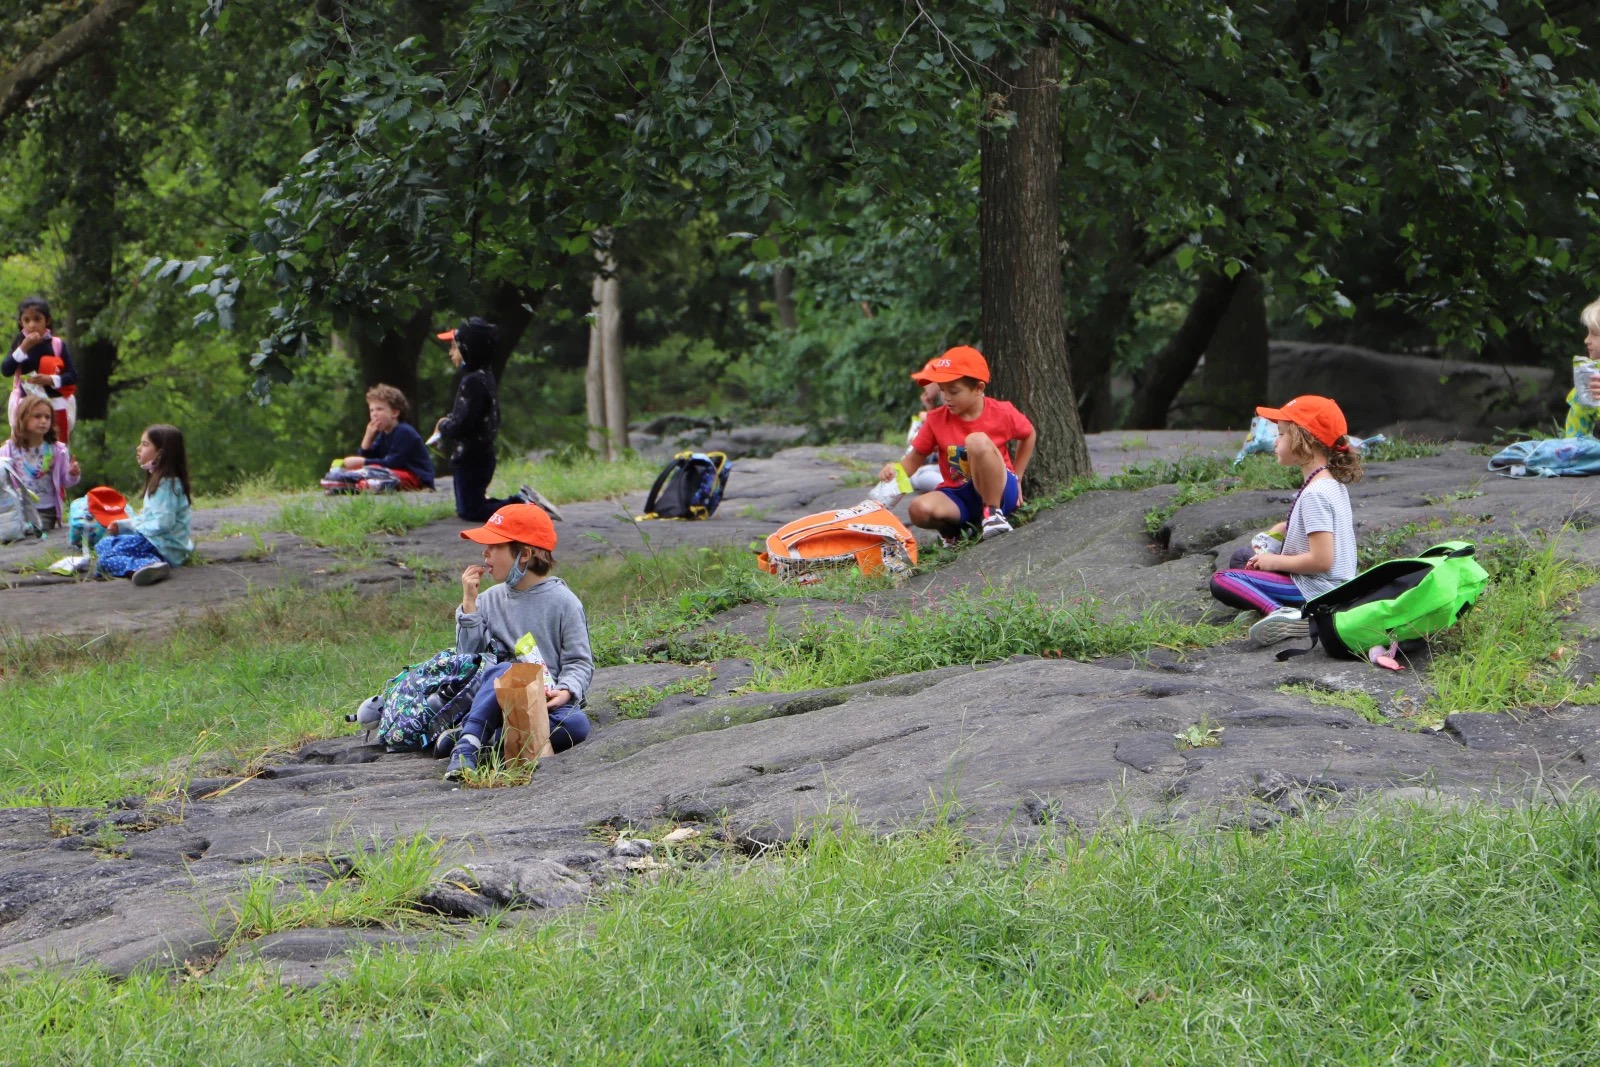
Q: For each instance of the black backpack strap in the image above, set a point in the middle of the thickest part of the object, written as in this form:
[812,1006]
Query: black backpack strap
[1450,550]
[1315,622]
[1291,653]
[661,479]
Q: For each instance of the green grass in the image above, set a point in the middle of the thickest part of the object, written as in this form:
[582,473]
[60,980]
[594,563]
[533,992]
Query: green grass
[350,522]
[1205,482]
[963,629]
[378,886]
[1510,650]
[636,702]
[857,472]
[265,487]
[86,722]
[1396,448]
[1363,704]
[568,476]
[1398,937]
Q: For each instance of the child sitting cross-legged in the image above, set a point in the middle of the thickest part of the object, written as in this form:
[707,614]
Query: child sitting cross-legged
[1318,547]
[145,547]
[519,544]
[392,454]
[972,436]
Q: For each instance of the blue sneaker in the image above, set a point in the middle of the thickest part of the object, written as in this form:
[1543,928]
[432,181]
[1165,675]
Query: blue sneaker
[463,759]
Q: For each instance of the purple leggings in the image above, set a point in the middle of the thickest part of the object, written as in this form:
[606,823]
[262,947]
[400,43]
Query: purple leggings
[1247,590]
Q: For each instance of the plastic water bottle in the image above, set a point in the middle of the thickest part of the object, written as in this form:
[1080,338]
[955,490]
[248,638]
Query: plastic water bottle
[1265,542]
[1584,372]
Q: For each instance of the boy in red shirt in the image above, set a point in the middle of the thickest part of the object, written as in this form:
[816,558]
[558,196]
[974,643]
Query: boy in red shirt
[971,436]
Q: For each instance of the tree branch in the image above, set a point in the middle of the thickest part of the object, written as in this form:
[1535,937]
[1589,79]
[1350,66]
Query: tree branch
[37,66]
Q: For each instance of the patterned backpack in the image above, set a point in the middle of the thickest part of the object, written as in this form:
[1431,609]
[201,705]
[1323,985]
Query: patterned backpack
[428,698]
[689,487]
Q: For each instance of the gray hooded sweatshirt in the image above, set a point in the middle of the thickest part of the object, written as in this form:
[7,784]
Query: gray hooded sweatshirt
[551,612]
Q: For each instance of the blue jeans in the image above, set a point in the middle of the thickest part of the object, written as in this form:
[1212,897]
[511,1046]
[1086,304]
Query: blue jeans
[471,476]
[568,724]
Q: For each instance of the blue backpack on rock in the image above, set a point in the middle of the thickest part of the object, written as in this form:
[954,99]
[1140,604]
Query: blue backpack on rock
[690,487]
[425,699]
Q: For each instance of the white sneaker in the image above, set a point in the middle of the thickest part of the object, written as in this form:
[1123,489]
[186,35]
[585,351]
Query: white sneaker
[995,524]
[1280,626]
[152,573]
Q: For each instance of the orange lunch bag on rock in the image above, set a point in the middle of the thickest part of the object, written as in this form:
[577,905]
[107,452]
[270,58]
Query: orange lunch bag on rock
[867,536]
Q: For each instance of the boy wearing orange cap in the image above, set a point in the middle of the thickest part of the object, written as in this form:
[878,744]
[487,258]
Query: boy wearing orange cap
[972,436]
[519,545]
[1319,537]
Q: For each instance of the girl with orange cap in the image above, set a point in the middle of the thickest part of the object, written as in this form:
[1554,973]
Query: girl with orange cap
[1318,538]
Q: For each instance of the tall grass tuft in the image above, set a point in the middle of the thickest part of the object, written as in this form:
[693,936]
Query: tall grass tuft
[351,521]
[379,887]
[1509,651]
[959,629]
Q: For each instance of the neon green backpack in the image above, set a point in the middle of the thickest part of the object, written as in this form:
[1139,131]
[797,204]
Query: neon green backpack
[1398,600]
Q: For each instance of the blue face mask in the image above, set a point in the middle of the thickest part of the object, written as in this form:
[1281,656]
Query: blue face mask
[516,573]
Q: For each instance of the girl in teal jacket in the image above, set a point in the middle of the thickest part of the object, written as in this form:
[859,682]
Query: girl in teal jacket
[147,546]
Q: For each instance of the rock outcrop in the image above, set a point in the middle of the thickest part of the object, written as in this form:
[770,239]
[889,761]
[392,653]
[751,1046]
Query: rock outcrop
[1016,749]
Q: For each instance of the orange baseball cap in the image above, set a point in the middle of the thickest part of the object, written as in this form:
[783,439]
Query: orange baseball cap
[526,523]
[1316,415]
[107,506]
[962,361]
[448,335]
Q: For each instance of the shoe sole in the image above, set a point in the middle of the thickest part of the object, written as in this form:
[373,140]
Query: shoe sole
[151,575]
[994,531]
[1275,628]
[536,497]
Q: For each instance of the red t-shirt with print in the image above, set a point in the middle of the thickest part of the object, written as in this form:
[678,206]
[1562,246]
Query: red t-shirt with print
[944,434]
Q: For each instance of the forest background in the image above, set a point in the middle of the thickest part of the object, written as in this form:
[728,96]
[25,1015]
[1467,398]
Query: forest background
[244,213]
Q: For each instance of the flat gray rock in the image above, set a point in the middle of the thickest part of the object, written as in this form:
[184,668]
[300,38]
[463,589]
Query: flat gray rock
[1016,750]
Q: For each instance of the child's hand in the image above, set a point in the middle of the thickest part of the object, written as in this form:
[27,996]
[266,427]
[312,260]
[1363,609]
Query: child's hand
[73,468]
[559,699]
[471,580]
[887,474]
[41,379]
[29,340]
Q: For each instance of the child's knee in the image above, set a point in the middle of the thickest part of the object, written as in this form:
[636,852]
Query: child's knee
[932,510]
[568,727]
[980,443]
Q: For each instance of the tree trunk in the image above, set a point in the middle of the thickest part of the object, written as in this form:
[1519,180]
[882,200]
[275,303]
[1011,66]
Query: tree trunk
[594,379]
[616,383]
[1166,372]
[87,279]
[1234,379]
[1024,332]
[605,386]
[783,297]
[511,309]
[391,357]
[1094,348]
